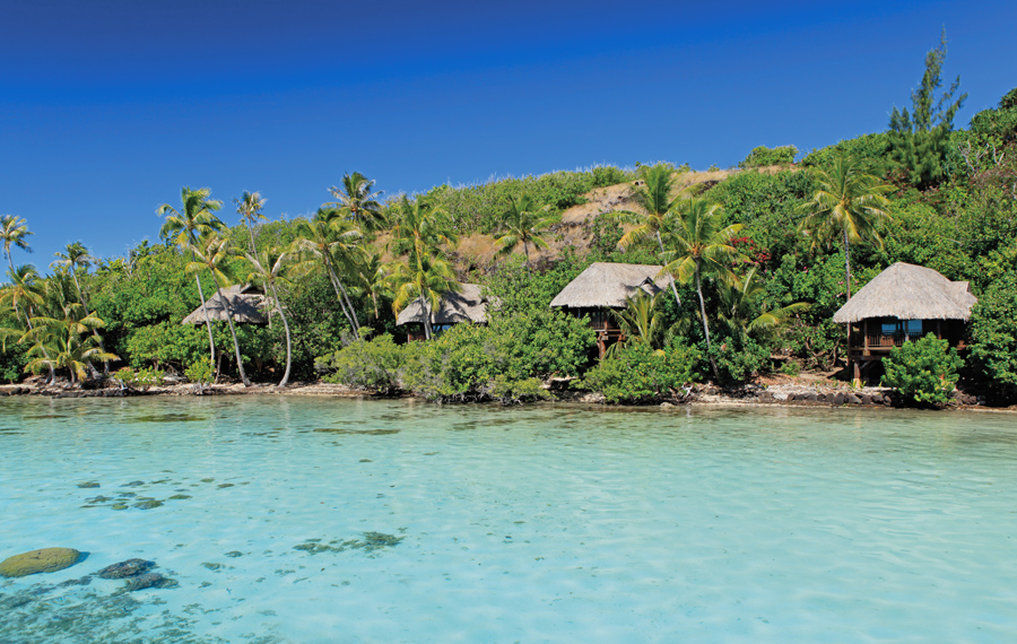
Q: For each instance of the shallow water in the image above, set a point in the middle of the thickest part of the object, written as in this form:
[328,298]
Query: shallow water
[323,520]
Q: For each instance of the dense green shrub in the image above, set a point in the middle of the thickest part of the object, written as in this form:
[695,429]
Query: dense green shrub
[639,374]
[924,371]
[739,359]
[457,366]
[140,379]
[373,365]
[994,340]
[763,156]
[539,343]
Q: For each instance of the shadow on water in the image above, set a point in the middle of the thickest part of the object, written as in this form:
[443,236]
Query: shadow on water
[362,432]
[167,418]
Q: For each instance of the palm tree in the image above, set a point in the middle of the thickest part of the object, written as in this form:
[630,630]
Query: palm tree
[847,207]
[356,202]
[186,228]
[24,295]
[14,232]
[524,224]
[75,256]
[211,254]
[743,311]
[419,234]
[654,196]
[267,269]
[640,321]
[701,247]
[326,243]
[424,281]
[249,207]
[68,342]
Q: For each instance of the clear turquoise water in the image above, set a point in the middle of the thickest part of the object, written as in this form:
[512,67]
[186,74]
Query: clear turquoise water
[525,524]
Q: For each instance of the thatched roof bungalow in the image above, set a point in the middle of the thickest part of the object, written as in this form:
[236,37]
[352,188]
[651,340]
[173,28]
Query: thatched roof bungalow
[902,303]
[246,303]
[607,286]
[465,305]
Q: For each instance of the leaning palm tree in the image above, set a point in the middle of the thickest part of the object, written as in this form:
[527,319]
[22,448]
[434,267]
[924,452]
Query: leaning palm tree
[211,254]
[654,196]
[524,224]
[186,228]
[249,207]
[356,201]
[73,257]
[327,242]
[14,232]
[68,342]
[702,246]
[267,269]
[847,208]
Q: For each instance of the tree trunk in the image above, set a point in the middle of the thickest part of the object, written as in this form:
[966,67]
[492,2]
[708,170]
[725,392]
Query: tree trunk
[706,324]
[674,289]
[847,264]
[286,325]
[526,251]
[233,331]
[208,325]
[250,231]
[337,287]
[426,309]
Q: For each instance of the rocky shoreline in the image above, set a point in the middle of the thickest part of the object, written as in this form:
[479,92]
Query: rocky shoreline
[813,394]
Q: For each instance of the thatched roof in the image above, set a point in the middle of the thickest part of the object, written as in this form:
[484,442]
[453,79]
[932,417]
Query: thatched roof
[246,304]
[609,285]
[908,292]
[465,305]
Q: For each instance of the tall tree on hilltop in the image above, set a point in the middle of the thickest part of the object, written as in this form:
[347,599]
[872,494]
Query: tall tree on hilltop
[847,208]
[14,232]
[356,201]
[654,196]
[211,253]
[919,139]
[186,229]
[249,207]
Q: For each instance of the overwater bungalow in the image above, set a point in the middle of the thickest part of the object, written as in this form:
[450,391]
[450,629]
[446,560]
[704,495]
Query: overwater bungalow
[605,287]
[904,302]
[246,303]
[465,305]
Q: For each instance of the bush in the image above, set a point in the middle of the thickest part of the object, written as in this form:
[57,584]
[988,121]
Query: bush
[994,340]
[199,372]
[454,367]
[140,379]
[764,156]
[924,371]
[639,374]
[539,343]
[370,365]
[738,361]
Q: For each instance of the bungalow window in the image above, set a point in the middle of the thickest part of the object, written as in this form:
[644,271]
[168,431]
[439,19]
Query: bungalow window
[890,327]
[438,328]
[913,328]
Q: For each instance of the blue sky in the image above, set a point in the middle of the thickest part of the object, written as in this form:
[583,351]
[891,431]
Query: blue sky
[107,107]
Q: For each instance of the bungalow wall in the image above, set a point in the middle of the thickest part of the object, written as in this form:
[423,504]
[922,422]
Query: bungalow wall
[873,338]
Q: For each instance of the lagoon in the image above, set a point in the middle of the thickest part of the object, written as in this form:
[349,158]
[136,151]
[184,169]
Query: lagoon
[315,519]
